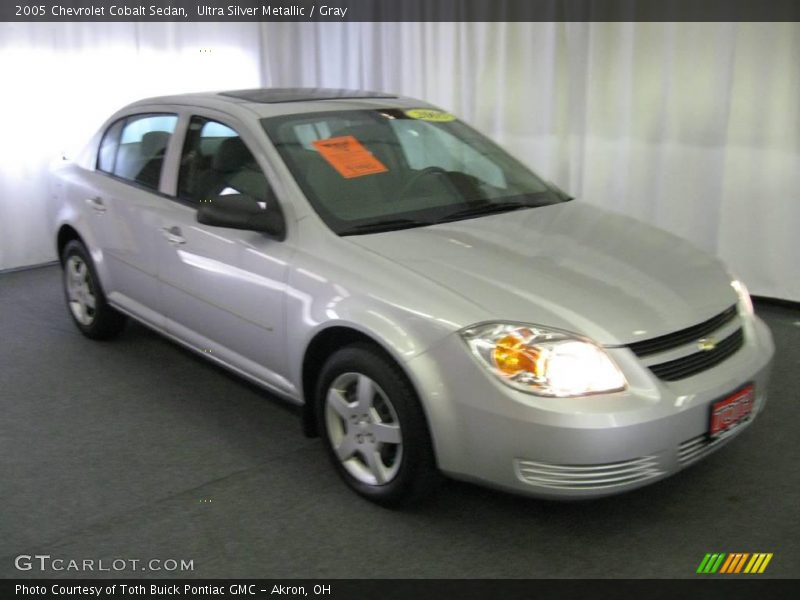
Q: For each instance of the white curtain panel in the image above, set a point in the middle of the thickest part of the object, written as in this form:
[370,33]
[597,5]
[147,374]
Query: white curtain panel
[60,81]
[694,127]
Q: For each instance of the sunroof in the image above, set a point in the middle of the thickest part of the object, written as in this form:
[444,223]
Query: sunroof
[277,95]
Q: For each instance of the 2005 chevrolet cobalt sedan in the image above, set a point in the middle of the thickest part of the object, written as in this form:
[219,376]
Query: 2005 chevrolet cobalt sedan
[432,304]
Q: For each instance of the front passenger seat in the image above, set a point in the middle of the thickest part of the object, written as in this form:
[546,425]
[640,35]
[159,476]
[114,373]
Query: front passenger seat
[231,156]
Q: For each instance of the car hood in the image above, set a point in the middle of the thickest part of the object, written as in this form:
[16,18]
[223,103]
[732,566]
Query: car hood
[570,266]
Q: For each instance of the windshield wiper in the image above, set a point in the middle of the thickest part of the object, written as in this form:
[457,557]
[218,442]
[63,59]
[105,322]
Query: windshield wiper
[484,208]
[388,225]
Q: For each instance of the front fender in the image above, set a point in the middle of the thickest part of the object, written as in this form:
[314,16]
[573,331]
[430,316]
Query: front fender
[401,332]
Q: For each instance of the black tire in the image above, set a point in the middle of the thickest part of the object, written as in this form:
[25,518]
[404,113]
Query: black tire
[102,322]
[416,475]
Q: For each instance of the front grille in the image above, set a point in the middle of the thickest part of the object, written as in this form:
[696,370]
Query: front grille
[692,364]
[684,336]
[587,477]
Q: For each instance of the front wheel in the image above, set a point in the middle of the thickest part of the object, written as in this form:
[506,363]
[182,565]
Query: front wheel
[86,301]
[374,428]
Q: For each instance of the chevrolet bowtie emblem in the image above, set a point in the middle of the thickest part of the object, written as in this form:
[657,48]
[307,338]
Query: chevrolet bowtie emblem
[706,344]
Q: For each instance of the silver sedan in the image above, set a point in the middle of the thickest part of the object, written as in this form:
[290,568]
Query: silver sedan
[433,305]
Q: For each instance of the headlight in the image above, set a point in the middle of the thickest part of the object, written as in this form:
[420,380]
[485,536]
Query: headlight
[543,361]
[745,303]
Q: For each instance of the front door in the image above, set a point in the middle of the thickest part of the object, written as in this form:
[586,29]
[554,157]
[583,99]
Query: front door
[223,289]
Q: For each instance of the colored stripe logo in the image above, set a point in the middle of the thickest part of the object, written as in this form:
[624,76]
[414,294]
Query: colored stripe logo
[734,562]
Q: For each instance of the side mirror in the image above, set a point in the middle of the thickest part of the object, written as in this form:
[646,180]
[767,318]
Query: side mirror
[240,211]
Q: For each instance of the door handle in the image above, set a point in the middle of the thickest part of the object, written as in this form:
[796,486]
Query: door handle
[96,204]
[173,235]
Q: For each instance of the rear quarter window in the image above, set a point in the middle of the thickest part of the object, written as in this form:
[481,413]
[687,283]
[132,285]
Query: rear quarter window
[108,147]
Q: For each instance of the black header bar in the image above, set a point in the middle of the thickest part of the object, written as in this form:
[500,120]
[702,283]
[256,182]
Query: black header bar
[706,587]
[399,10]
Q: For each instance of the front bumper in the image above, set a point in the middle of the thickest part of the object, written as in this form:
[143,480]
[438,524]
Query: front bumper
[586,447]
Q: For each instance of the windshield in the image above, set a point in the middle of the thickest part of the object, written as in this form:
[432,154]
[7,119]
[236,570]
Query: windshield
[377,170]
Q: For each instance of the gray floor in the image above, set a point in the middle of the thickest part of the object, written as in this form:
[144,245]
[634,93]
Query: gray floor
[138,449]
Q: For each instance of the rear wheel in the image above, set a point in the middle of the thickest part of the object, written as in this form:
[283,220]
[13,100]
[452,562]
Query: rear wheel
[87,304]
[374,428]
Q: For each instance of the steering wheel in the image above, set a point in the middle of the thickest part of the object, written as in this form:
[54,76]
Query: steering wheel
[418,176]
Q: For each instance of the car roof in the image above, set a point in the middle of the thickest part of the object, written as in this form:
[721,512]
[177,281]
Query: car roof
[267,102]
[277,95]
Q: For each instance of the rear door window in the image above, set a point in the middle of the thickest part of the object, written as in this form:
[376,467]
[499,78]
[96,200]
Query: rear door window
[134,148]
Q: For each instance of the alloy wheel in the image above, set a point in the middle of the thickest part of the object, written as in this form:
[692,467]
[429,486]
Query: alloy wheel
[80,291]
[363,429]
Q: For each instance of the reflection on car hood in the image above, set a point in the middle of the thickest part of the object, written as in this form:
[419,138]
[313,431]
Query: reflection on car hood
[570,266]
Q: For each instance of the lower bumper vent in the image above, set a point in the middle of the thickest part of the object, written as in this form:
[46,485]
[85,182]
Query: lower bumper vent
[696,448]
[587,477]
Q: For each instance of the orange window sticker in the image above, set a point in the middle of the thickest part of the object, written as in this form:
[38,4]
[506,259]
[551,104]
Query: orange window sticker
[349,157]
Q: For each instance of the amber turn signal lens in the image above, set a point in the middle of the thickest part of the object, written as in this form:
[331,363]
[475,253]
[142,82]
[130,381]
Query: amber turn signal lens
[512,356]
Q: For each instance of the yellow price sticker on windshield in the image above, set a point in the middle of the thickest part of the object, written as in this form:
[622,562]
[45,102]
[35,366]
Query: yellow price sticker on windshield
[430,114]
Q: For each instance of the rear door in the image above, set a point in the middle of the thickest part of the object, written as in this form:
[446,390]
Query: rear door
[123,209]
